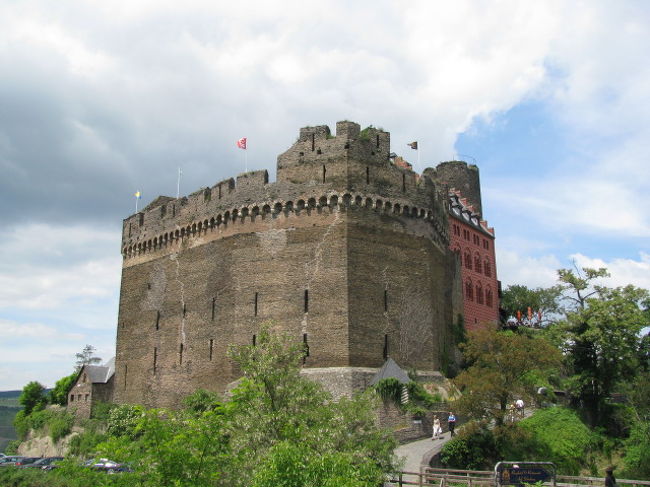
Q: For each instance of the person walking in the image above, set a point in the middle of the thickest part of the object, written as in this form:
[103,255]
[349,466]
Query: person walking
[610,480]
[451,421]
[437,430]
[519,404]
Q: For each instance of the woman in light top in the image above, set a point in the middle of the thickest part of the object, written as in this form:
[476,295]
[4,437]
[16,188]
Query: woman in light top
[437,430]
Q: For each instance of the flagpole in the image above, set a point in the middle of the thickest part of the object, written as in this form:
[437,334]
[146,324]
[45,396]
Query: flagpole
[178,183]
[419,150]
[136,204]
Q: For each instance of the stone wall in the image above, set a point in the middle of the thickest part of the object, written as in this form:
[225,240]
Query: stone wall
[80,397]
[354,264]
[404,426]
[464,177]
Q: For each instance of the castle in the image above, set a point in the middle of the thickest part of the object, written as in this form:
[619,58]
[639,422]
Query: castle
[348,251]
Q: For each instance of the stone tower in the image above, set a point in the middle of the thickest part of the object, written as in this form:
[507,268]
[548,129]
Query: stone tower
[463,177]
[346,252]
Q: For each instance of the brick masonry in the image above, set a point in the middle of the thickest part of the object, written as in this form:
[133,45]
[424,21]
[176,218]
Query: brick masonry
[473,243]
[347,252]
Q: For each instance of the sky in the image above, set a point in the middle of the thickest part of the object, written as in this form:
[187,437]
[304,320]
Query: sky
[99,100]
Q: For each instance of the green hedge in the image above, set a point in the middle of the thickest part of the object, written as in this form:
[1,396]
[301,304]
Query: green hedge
[57,423]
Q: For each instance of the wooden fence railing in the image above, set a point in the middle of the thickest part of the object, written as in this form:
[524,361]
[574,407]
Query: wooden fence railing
[440,477]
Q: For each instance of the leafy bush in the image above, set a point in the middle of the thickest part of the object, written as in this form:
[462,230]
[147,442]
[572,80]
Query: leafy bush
[560,437]
[33,398]
[57,422]
[289,465]
[473,448]
[66,476]
[85,444]
[101,410]
[12,447]
[637,456]
[201,400]
[60,425]
[21,424]
[420,395]
[389,389]
[59,395]
[123,419]
[414,409]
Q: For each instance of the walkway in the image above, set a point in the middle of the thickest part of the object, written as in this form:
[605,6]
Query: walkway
[414,452]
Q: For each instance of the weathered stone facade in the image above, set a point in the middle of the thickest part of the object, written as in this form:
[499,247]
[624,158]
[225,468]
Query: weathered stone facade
[347,252]
[94,384]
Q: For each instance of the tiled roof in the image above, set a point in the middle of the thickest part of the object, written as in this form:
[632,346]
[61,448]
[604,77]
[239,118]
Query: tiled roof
[390,369]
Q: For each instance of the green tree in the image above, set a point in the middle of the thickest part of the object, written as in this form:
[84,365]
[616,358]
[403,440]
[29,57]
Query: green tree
[545,300]
[503,367]
[638,393]
[200,401]
[59,395]
[33,397]
[274,404]
[601,338]
[86,357]
[277,429]
[173,448]
[637,452]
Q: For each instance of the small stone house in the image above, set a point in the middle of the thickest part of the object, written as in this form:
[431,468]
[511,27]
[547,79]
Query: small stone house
[94,384]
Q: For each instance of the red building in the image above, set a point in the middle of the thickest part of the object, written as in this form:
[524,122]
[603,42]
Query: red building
[473,242]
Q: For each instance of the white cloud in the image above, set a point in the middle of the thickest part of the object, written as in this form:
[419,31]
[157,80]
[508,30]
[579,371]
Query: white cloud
[60,287]
[622,271]
[515,268]
[33,275]
[13,330]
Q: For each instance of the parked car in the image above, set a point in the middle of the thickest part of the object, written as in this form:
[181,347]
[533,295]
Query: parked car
[10,460]
[42,462]
[108,466]
[26,461]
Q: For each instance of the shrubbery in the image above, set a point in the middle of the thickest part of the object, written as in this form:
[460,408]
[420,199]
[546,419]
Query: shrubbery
[123,420]
[637,456]
[555,435]
[277,429]
[85,444]
[56,422]
[561,437]
[67,476]
[472,448]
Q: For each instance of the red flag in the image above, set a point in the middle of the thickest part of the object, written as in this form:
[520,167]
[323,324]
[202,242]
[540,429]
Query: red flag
[241,143]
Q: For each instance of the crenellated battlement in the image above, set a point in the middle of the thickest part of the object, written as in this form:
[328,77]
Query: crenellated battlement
[354,162]
[462,176]
[305,206]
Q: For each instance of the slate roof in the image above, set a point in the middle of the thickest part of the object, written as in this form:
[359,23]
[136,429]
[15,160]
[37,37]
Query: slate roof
[390,369]
[100,374]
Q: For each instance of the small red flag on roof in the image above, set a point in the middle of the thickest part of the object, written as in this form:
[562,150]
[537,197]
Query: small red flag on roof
[241,143]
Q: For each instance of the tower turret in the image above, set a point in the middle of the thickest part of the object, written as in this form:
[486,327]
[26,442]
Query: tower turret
[463,177]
